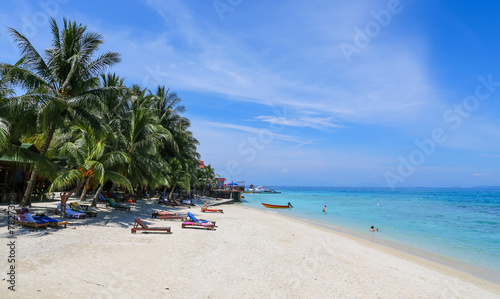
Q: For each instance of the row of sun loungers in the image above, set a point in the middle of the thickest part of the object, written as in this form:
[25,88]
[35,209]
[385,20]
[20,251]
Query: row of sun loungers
[188,222]
[74,210]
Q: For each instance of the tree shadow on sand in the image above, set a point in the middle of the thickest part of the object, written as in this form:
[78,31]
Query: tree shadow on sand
[143,209]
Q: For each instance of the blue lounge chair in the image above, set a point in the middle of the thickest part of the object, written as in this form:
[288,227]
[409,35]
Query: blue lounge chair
[198,222]
[24,218]
[51,221]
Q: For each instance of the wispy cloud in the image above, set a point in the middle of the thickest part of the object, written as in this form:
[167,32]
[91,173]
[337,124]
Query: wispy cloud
[253,130]
[388,84]
[313,122]
[479,174]
[305,143]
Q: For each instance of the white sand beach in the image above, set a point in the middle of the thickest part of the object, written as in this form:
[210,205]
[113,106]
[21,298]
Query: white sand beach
[251,254]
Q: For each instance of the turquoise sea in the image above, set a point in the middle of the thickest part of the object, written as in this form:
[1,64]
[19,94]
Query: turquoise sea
[459,227]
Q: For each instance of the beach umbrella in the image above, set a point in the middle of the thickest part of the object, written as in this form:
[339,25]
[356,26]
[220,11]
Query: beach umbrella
[231,184]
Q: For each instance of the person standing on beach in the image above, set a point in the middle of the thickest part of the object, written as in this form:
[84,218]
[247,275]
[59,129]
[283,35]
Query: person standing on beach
[64,199]
[324,210]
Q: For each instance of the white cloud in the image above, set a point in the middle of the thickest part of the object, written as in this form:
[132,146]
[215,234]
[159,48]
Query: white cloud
[305,121]
[386,84]
[257,131]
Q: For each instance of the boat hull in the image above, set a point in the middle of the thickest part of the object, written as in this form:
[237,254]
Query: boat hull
[274,206]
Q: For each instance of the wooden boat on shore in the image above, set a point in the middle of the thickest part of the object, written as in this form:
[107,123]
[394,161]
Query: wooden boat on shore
[277,206]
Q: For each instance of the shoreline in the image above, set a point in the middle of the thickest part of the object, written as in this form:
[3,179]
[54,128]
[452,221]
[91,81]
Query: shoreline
[444,265]
[251,254]
[438,239]
[468,268]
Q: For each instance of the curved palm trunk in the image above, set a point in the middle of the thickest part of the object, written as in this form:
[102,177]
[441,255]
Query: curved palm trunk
[26,200]
[171,192]
[83,197]
[78,187]
[96,196]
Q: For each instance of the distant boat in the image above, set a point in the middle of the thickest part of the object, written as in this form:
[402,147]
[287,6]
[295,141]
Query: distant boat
[277,206]
[253,189]
[260,189]
[271,191]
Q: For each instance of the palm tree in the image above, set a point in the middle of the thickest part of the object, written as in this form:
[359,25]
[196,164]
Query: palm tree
[180,149]
[90,162]
[5,91]
[13,131]
[140,138]
[206,177]
[178,176]
[60,85]
[115,104]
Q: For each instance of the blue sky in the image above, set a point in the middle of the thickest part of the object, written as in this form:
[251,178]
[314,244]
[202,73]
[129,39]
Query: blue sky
[317,93]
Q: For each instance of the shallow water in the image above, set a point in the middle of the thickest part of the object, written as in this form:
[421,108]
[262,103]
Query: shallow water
[461,224]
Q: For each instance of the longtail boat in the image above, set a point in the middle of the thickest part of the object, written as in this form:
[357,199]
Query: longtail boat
[277,206]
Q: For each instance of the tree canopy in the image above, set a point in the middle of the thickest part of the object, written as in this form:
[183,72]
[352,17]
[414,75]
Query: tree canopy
[90,127]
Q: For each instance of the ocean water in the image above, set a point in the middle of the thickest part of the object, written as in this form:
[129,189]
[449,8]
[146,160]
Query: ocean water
[461,225]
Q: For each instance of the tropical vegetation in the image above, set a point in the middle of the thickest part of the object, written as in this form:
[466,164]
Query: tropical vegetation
[90,128]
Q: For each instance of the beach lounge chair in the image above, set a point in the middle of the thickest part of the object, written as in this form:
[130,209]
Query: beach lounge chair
[25,218]
[70,213]
[139,225]
[77,208]
[102,197]
[185,202]
[198,223]
[162,200]
[207,210]
[113,204]
[51,221]
[168,215]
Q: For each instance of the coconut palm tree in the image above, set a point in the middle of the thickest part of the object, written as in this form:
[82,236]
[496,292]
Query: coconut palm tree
[61,84]
[13,131]
[140,139]
[5,91]
[206,178]
[89,161]
[178,176]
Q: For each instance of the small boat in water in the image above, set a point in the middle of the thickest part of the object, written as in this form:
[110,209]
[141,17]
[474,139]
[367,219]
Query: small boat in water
[277,206]
[271,191]
[260,189]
